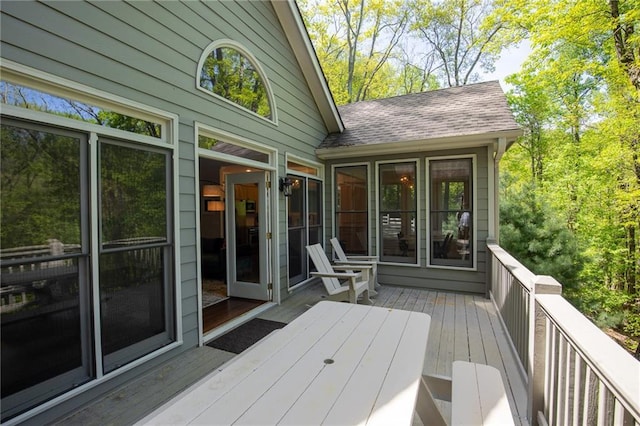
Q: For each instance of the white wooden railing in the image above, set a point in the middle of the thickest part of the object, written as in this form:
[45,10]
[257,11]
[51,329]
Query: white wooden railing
[576,374]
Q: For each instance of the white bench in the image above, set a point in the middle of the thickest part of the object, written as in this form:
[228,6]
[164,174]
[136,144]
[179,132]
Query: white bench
[476,392]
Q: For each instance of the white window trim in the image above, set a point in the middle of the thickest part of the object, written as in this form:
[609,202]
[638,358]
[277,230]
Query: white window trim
[416,162]
[474,214]
[243,50]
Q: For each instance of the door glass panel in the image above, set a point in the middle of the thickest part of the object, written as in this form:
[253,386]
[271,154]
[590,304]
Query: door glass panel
[352,209]
[44,338]
[315,213]
[297,231]
[296,260]
[247,232]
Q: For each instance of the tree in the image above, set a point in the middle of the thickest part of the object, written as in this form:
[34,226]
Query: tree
[355,41]
[531,232]
[586,58]
[533,110]
[585,62]
[461,36]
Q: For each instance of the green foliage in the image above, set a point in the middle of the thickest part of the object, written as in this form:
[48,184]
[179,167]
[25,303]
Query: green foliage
[532,233]
[577,98]
[604,306]
[40,181]
[632,323]
[133,193]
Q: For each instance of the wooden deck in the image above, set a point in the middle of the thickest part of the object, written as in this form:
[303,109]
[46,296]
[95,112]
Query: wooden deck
[463,327]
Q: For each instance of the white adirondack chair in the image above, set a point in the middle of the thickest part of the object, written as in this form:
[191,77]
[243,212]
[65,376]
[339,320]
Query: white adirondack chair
[356,283]
[343,259]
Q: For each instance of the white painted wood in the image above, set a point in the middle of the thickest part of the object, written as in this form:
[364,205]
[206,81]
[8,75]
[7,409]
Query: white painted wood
[358,283]
[426,407]
[376,356]
[342,258]
[478,396]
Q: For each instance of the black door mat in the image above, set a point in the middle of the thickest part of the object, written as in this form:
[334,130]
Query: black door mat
[239,339]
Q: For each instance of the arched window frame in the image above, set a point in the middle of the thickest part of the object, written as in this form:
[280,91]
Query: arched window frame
[256,65]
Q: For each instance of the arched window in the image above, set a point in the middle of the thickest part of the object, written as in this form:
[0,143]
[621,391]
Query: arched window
[228,70]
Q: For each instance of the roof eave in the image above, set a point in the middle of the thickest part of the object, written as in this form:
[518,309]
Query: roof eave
[298,38]
[422,145]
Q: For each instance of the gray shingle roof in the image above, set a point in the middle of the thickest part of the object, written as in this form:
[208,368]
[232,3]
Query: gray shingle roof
[474,109]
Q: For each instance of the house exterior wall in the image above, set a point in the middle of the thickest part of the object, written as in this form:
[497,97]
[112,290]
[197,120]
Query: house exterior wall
[422,275]
[148,52]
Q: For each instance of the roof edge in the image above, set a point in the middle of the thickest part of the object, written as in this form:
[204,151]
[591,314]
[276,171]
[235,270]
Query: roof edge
[422,145]
[291,20]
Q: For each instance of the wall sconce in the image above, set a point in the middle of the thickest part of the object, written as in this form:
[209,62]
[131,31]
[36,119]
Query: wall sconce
[285,186]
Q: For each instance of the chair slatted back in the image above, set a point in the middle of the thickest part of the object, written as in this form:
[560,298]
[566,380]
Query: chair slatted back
[337,248]
[320,260]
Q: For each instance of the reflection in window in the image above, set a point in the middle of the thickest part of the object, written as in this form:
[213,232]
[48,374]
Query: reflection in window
[133,194]
[398,212]
[352,209]
[302,168]
[230,74]
[218,145]
[13,94]
[451,212]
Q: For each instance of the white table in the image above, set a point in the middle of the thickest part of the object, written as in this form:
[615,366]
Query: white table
[337,364]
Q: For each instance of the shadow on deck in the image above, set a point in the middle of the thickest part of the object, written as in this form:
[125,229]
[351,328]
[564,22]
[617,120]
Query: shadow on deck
[463,327]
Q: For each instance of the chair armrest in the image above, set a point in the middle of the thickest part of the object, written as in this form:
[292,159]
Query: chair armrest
[364,271]
[359,263]
[351,266]
[370,258]
[345,275]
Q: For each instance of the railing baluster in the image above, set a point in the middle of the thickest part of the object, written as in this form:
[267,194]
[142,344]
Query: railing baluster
[577,385]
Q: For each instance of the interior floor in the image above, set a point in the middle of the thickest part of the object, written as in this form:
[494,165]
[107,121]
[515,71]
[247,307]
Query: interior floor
[217,314]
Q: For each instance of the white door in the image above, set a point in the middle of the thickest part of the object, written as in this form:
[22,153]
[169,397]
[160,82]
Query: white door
[247,228]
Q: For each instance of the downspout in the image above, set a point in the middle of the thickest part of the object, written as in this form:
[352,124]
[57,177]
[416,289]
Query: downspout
[494,225]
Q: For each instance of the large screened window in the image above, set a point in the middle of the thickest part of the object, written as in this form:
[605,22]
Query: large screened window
[134,251]
[45,291]
[229,71]
[451,212]
[68,317]
[352,209]
[398,213]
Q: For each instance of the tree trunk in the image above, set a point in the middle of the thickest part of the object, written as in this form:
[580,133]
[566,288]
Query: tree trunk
[621,35]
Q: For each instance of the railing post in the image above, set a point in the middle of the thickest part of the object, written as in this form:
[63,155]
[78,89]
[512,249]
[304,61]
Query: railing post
[542,284]
[489,269]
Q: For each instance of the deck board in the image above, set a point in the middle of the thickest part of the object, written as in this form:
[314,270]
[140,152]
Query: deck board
[463,327]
